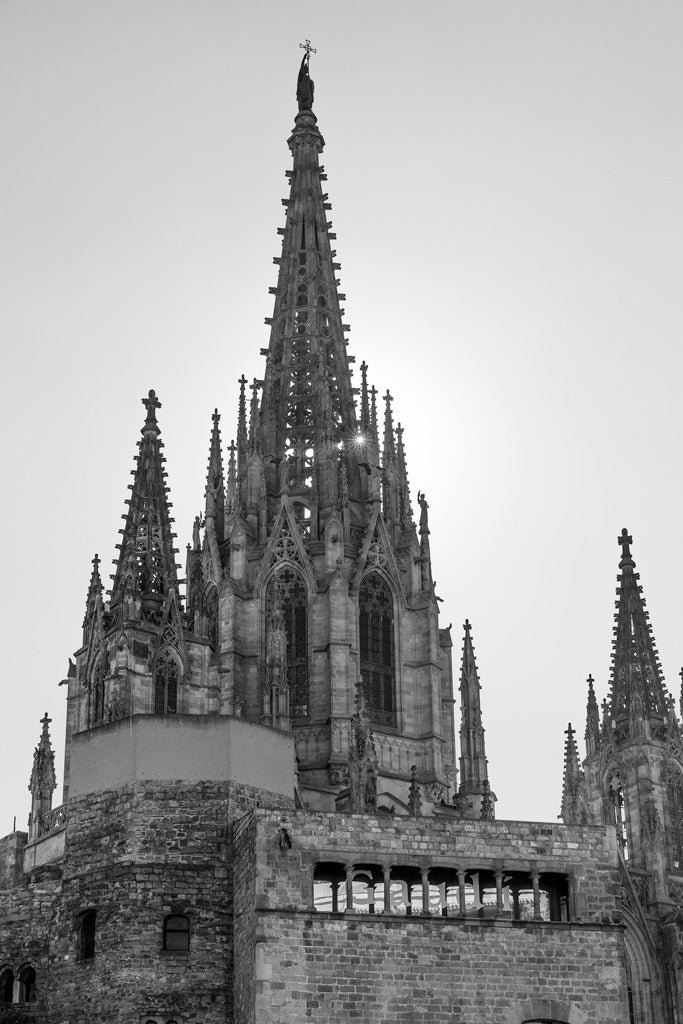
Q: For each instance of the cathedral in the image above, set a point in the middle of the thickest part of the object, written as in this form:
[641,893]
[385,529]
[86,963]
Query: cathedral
[266,816]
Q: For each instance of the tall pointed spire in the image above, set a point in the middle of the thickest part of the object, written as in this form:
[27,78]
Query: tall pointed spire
[473,762]
[146,563]
[637,685]
[307,349]
[215,485]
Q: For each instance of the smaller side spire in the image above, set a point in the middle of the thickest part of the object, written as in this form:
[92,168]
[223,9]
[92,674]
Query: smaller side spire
[254,425]
[146,566]
[93,601]
[592,734]
[231,495]
[638,692]
[405,508]
[242,433]
[574,804]
[215,487]
[43,781]
[364,399]
[473,762]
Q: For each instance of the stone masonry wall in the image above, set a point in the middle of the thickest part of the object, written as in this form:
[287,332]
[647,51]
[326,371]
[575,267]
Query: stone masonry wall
[12,859]
[134,855]
[426,969]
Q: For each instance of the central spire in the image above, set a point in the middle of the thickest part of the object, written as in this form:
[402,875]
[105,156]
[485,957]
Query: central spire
[307,407]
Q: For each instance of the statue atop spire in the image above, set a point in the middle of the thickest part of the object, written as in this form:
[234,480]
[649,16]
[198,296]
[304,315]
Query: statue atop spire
[304,84]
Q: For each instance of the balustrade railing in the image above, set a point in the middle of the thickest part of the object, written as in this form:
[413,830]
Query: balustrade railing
[50,822]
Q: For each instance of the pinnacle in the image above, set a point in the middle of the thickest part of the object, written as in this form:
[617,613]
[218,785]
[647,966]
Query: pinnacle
[146,563]
[636,679]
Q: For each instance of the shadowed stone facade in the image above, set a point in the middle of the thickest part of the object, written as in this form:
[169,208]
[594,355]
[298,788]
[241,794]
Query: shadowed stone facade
[265,818]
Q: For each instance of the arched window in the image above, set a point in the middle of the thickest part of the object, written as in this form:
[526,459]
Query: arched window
[674,793]
[166,675]
[27,984]
[295,613]
[6,985]
[98,688]
[211,612]
[377,668]
[86,935]
[177,932]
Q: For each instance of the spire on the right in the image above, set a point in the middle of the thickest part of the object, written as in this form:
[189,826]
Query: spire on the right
[637,689]
[473,762]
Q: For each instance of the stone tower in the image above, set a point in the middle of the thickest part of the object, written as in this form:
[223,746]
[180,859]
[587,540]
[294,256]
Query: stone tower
[314,530]
[306,573]
[632,779]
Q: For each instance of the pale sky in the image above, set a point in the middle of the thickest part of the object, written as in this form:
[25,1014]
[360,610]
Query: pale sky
[505,180]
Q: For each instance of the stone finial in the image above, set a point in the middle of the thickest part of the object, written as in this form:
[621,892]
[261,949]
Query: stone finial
[151,404]
[43,780]
[487,812]
[414,794]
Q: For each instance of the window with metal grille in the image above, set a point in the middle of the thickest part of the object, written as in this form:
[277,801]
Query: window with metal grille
[166,674]
[177,932]
[377,663]
[295,613]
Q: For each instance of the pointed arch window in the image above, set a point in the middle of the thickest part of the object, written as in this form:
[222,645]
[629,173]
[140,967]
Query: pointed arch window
[674,793]
[377,662]
[166,677]
[295,613]
[6,985]
[27,984]
[98,688]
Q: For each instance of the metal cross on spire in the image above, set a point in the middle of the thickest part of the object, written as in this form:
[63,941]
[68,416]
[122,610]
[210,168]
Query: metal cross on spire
[308,48]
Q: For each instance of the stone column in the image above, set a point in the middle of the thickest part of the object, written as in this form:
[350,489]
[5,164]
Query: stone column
[426,912]
[499,890]
[537,893]
[349,887]
[462,896]
[387,889]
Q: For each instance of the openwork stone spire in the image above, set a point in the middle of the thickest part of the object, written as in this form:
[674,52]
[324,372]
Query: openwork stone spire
[307,391]
[637,685]
[146,564]
[473,763]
